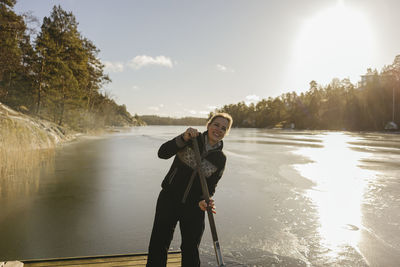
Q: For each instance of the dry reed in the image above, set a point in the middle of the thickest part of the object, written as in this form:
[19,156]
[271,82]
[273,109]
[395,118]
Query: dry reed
[25,150]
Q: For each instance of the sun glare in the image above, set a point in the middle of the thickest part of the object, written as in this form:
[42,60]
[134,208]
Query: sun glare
[335,43]
[338,191]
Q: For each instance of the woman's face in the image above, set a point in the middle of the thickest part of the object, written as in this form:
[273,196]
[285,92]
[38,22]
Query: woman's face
[217,130]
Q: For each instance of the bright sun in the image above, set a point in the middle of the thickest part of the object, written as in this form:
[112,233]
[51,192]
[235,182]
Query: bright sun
[335,43]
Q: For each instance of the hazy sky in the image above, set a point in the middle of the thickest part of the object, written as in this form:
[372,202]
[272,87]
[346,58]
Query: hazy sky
[184,58]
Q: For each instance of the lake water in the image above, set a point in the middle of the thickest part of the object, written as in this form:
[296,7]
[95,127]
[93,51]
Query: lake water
[287,198]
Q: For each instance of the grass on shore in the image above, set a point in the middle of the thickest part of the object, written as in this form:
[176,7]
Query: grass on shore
[24,151]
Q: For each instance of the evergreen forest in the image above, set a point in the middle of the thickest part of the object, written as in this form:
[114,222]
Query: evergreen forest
[55,73]
[340,105]
[188,121]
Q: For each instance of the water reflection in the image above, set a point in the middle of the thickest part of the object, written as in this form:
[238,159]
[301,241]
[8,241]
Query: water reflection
[340,183]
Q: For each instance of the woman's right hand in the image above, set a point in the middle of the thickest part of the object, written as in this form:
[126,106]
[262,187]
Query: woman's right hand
[190,133]
[203,205]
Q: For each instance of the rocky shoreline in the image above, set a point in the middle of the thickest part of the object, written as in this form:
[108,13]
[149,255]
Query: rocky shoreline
[31,131]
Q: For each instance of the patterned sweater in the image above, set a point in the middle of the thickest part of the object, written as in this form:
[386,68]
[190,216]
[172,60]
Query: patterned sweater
[182,181]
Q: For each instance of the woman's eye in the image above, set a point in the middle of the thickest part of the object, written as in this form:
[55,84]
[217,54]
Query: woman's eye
[223,128]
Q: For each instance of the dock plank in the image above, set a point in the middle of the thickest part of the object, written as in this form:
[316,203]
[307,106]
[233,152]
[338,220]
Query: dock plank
[136,260]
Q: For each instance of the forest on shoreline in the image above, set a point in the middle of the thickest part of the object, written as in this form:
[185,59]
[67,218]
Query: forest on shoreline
[55,74]
[340,105]
[188,121]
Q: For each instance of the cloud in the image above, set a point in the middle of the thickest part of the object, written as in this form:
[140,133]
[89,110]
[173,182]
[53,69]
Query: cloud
[156,108]
[135,88]
[113,66]
[223,68]
[190,111]
[144,61]
[139,62]
[252,99]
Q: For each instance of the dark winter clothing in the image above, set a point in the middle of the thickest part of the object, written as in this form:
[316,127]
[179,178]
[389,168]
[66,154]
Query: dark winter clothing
[179,198]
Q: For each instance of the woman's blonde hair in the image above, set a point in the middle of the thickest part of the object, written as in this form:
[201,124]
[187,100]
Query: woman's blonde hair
[222,115]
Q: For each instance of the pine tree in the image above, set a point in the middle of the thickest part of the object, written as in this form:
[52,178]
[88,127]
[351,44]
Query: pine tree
[62,64]
[96,77]
[15,57]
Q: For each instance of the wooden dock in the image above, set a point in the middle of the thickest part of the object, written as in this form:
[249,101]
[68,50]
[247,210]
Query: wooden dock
[137,260]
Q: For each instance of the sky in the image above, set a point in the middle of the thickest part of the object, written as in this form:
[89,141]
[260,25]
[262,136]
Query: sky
[182,58]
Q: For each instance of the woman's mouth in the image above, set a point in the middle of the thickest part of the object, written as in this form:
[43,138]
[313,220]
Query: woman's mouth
[216,135]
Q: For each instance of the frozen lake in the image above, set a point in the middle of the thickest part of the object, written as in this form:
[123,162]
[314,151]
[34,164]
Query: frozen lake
[287,198]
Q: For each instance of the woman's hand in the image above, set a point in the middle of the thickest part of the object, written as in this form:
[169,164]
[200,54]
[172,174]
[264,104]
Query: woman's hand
[190,133]
[203,205]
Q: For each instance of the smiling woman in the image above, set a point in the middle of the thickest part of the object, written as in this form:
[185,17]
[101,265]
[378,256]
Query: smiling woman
[183,198]
[336,42]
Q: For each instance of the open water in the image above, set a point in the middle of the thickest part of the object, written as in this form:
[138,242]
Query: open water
[287,198]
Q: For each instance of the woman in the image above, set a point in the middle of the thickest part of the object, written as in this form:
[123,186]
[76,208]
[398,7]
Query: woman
[181,197]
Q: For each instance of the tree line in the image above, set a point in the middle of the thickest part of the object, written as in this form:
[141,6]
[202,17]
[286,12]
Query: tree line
[55,74]
[188,121]
[339,105]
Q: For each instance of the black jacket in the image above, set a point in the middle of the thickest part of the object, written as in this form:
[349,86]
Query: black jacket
[182,181]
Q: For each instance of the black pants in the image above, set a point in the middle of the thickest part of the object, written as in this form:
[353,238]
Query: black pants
[191,223]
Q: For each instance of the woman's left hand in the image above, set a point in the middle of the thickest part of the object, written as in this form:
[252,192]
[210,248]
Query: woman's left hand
[203,205]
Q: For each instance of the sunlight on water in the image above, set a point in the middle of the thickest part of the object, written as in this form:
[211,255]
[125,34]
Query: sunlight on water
[338,191]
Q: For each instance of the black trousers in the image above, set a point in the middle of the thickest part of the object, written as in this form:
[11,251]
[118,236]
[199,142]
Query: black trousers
[191,223]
